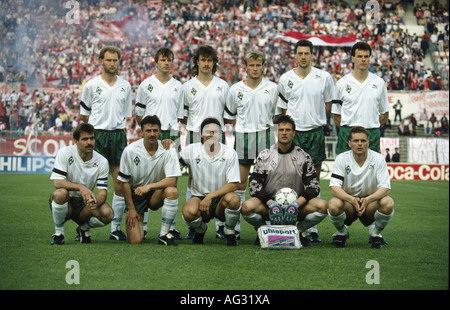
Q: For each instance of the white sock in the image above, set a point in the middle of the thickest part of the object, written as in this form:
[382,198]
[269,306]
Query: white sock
[338,222]
[231,218]
[145,221]
[381,221]
[118,206]
[242,199]
[188,194]
[168,213]
[255,219]
[59,216]
[92,223]
[310,220]
[197,224]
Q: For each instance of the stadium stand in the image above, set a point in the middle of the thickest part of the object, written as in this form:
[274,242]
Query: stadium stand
[52,44]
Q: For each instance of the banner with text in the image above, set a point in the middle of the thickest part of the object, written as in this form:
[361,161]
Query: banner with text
[411,172]
[428,150]
[26,164]
[34,145]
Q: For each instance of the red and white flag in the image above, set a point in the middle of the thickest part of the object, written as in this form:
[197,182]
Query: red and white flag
[61,50]
[319,40]
[110,31]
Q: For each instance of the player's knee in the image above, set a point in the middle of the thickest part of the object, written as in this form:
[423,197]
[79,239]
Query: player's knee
[322,206]
[335,206]
[171,193]
[134,239]
[232,200]
[386,205]
[60,196]
[108,215]
[245,210]
[189,212]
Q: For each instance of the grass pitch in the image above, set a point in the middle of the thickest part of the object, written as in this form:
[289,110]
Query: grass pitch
[416,257]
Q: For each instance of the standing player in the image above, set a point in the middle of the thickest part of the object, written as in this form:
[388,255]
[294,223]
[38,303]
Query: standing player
[307,94]
[361,100]
[360,186]
[105,103]
[214,172]
[203,96]
[251,105]
[159,95]
[148,177]
[284,164]
[78,170]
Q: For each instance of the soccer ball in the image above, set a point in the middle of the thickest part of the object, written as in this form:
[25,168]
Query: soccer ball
[285,196]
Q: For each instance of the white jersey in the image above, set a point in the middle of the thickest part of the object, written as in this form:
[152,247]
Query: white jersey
[360,181]
[138,168]
[304,99]
[69,166]
[361,103]
[200,101]
[162,100]
[253,109]
[106,105]
[210,174]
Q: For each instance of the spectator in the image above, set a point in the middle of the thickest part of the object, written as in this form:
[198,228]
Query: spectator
[396,156]
[402,130]
[433,121]
[388,156]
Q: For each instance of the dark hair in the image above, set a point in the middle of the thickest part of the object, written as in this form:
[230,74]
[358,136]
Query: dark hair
[363,46]
[163,51]
[286,119]
[209,120]
[207,51]
[150,119]
[357,129]
[82,127]
[304,42]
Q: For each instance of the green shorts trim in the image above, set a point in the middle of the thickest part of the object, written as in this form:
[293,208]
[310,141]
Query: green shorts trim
[76,205]
[173,135]
[110,144]
[249,144]
[313,143]
[344,131]
[212,206]
[141,203]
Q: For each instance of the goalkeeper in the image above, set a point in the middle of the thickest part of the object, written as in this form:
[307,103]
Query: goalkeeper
[284,165]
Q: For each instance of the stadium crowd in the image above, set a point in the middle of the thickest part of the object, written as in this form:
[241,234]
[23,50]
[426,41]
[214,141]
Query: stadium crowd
[42,45]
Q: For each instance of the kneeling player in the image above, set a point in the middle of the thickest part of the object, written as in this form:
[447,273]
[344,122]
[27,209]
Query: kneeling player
[78,169]
[214,169]
[360,186]
[148,176]
[284,165]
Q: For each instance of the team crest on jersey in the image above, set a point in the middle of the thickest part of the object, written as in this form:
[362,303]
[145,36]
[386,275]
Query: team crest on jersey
[290,84]
[193,91]
[197,160]
[136,160]
[98,90]
[240,95]
[150,87]
[70,160]
[348,89]
[348,169]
